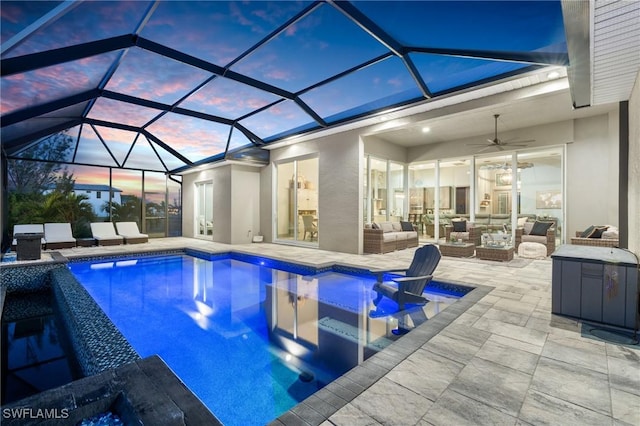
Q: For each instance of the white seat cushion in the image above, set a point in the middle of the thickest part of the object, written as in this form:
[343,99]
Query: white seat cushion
[389,236]
[401,235]
[530,250]
[386,227]
[542,239]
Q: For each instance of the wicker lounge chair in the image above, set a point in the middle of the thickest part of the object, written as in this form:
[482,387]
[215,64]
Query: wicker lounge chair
[105,234]
[58,236]
[409,288]
[130,232]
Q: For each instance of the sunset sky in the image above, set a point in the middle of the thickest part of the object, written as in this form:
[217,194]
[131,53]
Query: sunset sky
[315,47]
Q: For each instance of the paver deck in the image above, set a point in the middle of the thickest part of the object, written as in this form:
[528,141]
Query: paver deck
[506,360]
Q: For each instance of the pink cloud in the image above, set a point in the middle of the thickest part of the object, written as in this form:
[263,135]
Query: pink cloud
[396,82]
[279,75]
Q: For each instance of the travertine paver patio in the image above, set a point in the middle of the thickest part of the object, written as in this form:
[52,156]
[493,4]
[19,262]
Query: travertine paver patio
[505,360]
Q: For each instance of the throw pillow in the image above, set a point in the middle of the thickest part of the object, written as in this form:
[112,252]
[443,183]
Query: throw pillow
[540,228]
[459,225]
[521,221]
[406,226]
[386,226]
[396,226]
[375,225]
[597,233]
[587,232]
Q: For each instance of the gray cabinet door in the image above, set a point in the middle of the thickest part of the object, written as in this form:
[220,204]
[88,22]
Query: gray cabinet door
[591,298]
[570,289]
[614,293]
[632,303]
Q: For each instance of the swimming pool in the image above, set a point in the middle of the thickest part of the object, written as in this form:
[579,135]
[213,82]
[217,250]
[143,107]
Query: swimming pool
[249,340]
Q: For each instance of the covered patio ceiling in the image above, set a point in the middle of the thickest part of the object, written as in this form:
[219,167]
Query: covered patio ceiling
[168,85]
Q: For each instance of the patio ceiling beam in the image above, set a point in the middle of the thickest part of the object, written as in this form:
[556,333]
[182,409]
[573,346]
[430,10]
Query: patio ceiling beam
[166,147]
[535,58]
[577,24]
[370,27]
[30,62]
[385,39]
[257,141]
[164,107]
[306,108]
[39,110]
[15,145]
[417,77]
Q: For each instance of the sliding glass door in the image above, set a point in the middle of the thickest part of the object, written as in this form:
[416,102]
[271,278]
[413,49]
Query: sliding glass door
[297,210]
[204,210]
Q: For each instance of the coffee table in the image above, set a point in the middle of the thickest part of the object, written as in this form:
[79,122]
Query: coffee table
[502,254]
[457,249]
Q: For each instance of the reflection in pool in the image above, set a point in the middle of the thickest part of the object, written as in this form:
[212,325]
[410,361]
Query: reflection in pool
[249,340]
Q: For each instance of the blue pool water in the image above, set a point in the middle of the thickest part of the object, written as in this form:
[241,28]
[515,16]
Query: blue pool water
[249,340]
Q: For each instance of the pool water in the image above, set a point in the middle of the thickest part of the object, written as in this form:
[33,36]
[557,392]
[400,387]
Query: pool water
[249,340]
[33,348]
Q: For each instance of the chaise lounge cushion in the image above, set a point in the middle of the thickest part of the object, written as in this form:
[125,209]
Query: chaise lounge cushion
[131,233]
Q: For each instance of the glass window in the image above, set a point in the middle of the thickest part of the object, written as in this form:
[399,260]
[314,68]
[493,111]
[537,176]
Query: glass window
[93,179]
[318,46]
[281,119]
[174,207]
[42,122]
[155,204]
[397,194]
[17,15]
[147,75]
[455,187]
[285,224]
[375,87]
[540,186]
[194,138]
[126,205]
[98,194]
[442,73]
[422,183]
[440,23]
[55,82]
[379,194]
[92,149]
[227,98]
[87,21]
[110,110]
[217,31]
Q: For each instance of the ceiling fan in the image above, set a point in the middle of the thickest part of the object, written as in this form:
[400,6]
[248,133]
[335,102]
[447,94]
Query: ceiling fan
[498,143]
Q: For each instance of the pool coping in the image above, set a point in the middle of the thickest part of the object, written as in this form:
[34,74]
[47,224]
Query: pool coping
[325,402]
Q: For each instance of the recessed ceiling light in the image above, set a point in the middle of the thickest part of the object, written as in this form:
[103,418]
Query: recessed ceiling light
[553,74]
[426,129]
